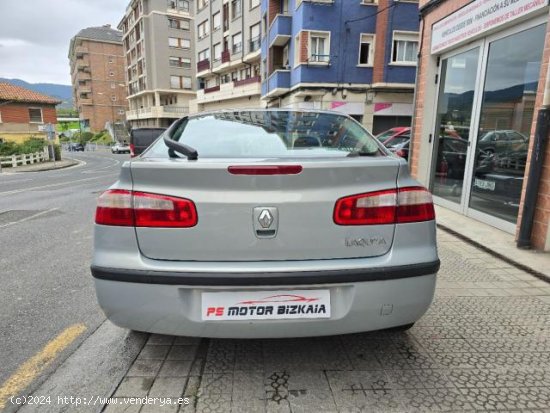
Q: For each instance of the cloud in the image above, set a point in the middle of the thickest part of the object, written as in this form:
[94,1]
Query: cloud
[35,34]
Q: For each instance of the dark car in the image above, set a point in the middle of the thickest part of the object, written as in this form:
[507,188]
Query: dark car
[501,142]
[142,138]
[76,147]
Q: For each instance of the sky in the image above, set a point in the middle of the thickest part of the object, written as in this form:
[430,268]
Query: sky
[35,35]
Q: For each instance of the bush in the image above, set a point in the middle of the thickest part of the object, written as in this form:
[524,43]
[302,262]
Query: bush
[31,145]
[57,152]
[86,137]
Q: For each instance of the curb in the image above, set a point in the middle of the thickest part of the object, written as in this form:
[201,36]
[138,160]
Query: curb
[496,254]
[72,162]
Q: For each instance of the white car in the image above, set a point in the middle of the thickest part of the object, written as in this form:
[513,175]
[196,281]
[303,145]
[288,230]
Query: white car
[120,148]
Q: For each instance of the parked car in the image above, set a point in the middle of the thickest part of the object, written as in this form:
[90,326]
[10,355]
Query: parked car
[75,147]
[399,145]
[393,133]
[142,138]
[120,148]
[501,142]
[231,225]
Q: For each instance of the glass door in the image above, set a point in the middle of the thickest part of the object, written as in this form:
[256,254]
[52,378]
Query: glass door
[454,117]
[505,120]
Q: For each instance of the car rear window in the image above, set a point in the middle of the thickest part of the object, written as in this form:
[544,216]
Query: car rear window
[146,136]
[253,134]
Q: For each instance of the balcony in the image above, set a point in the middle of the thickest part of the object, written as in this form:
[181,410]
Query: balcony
[230,90]
[212,89]
[226,56]
[277,84]
[85,101]
[280,30]
[203,66]
[253,51]
[153,112]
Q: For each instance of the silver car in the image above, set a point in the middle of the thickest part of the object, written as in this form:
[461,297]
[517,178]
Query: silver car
[265,223]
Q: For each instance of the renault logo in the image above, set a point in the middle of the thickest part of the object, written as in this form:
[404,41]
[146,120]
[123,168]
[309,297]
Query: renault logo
[265,218]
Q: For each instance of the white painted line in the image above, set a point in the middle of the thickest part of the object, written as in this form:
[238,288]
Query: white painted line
[30,217]
[17,191]
[15,181]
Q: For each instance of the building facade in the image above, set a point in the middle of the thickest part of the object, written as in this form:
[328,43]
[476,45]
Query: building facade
[352,56]
[23,113]
[481,113]
[97,74]
[228,54]
[158,38]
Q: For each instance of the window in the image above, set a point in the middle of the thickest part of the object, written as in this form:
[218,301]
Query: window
[254,37]
[405,47]
[113,98]
[203,29]
[319,49]
[201,4]
[35,115]
[216,21]
[179,24]
[236,8]
[111,59]
[183,5]
[366,50]
[121,112]
[217,49]
[180,82]
[204,55]
[254,3]
[179,62]
[286,63]
[111,73]
[237,43]
[179,43]
[113,85]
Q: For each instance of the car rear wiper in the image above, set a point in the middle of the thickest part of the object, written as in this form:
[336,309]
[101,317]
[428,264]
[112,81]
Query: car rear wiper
[175,146]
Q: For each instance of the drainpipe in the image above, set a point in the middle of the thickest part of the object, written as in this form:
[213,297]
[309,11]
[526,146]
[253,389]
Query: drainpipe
[535,169]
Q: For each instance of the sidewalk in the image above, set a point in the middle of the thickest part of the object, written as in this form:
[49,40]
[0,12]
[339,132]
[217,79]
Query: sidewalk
[43,166]
[498,243]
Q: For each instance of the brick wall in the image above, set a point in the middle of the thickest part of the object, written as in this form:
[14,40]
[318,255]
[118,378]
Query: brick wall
[19,113]
[303,40]
[542,214]
[380,46]
[106,62]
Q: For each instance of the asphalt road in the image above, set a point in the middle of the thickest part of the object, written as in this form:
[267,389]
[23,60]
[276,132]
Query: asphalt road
[46,224]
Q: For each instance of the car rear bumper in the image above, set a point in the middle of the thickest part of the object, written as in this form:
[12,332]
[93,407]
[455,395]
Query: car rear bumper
[355,307]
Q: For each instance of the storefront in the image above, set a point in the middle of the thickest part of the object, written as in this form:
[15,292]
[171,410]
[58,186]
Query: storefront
[482,79]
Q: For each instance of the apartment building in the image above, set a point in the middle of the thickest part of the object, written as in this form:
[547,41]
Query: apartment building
[158,37]
[228,54]
[97,75]
[353,56]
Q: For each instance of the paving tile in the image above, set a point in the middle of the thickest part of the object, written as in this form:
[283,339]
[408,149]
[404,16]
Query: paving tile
[483,345]
[168,387]
[134,387]
[175,368]
[144,368]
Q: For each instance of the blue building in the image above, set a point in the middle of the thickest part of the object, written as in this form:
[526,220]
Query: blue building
[353,56]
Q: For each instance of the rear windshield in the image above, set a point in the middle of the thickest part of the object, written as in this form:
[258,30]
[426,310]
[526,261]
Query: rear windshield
[259,134]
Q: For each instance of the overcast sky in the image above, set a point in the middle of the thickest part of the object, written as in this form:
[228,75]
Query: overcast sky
[35,35]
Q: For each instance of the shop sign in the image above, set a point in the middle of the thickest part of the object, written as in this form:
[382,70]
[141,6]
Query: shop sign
[479,17]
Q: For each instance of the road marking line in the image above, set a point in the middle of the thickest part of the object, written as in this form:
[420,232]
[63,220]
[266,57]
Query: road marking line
[28,371]
[28,218]
[16,191]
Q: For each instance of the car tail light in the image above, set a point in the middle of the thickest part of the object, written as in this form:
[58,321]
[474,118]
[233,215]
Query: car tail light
[265,170]
[132,150]
[140,209]
[410,204]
